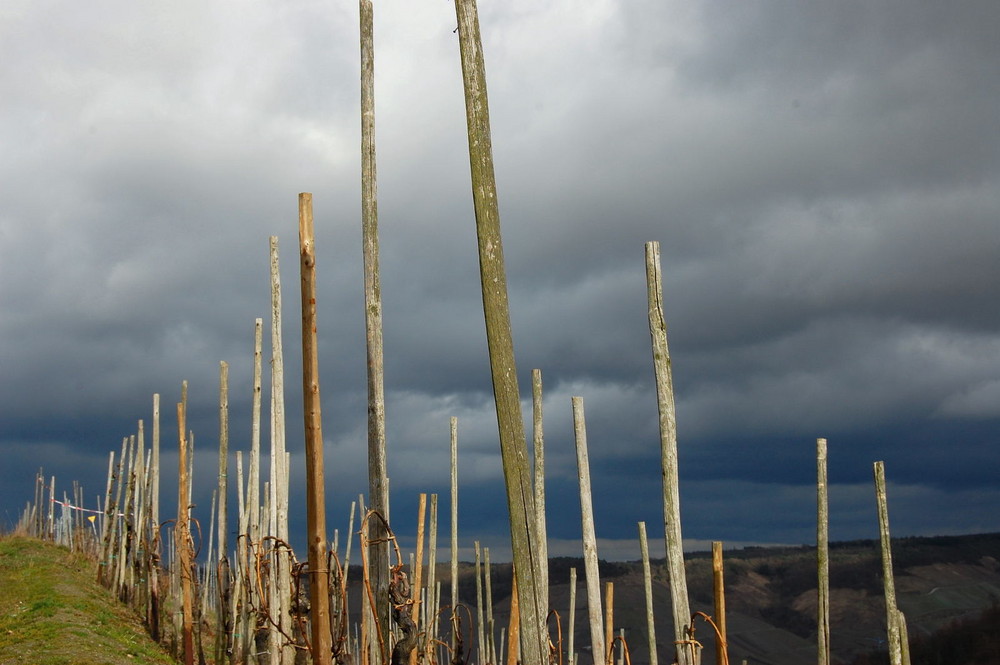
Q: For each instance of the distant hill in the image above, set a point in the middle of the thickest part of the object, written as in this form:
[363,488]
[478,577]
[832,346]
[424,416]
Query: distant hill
[771,596]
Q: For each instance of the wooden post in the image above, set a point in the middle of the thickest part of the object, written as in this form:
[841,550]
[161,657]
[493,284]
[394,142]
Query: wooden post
[430,606]
[668,456]
[609,624]
[224,586]
[279,472]
[822,557]
[418,568]
[491,647]
[482,655]
[570,655]
[538,447]
[153,609]
[322,641]
[719,595]
[590,567]
[647,579]
[514,626]
[513,446]
[378,490]
[891,611]
[102,562]
[454,520]
[183,537]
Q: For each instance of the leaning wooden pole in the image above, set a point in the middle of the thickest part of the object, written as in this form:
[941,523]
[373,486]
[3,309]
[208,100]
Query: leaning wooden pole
[500,340]
[822,557]
[891,611]
[322,641]
[590,561]
[378,490]
[668,455]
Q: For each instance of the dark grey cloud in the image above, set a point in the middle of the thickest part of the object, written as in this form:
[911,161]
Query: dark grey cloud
[821,179]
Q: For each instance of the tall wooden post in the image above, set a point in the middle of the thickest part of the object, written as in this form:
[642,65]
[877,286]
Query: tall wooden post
[378,490]
[668,459]
[322,641]
[500,341]
[279,470]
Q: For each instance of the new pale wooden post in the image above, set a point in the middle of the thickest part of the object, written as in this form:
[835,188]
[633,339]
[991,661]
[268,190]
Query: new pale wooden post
[319,596]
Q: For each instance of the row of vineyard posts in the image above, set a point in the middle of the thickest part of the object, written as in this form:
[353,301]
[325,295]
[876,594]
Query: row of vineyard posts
[255,601]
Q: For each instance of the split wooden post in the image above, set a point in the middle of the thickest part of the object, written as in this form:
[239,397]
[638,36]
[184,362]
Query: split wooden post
[686,654]
[891,611]
[513,446]
[647,579]
[322,641]
[822,557]
[590,566]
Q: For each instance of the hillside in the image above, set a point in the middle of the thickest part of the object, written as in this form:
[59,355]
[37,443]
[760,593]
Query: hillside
[771,596]
[52,612]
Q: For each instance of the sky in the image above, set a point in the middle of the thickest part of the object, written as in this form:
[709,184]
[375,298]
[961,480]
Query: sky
[822,178]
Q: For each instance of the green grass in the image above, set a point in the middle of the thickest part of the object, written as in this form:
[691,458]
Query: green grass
[52,612]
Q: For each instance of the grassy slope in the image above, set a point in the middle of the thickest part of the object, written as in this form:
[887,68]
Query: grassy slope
[52,612]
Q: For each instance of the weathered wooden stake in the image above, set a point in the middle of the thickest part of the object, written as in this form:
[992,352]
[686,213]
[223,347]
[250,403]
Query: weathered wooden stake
[822,557]
[686,649]
[570,654]
[647,579]
[538,447]
[891,610]
[591,571]
[378,490]
[279,474]
[513,446]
